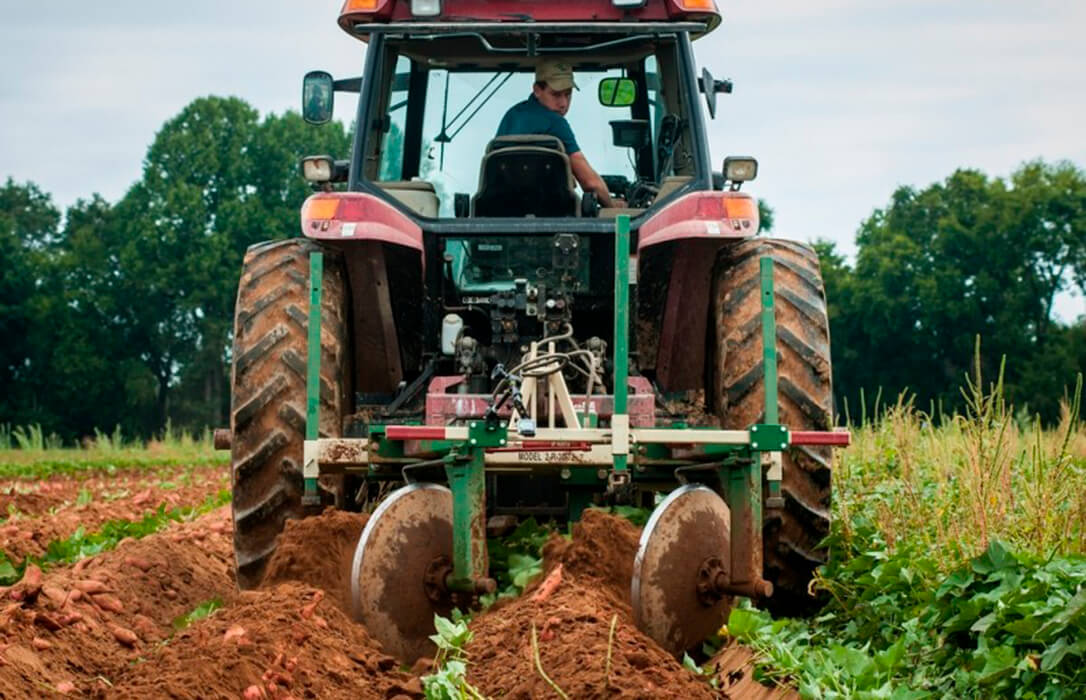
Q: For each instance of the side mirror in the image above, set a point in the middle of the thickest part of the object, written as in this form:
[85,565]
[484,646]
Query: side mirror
[318,90]
[739,169]
[710,88]
[617,92]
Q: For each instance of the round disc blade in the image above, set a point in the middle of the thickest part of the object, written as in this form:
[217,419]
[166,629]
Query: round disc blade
[404,536]
[691,525]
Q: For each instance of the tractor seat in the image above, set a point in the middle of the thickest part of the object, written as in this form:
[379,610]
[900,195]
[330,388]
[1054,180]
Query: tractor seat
[526,175]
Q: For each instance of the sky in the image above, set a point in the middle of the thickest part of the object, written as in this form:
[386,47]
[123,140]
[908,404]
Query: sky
[841,101]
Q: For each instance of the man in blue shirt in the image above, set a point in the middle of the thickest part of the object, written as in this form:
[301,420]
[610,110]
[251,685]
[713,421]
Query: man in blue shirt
[544,112]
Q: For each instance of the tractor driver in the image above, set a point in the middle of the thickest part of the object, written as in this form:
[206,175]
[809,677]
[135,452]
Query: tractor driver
[544,112]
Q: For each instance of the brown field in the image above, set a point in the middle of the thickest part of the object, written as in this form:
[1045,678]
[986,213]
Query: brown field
[109,625]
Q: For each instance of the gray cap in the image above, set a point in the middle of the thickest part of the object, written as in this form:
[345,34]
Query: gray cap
[558,75]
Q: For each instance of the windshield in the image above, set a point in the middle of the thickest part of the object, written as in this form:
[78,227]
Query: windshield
[440,119]
[452,150]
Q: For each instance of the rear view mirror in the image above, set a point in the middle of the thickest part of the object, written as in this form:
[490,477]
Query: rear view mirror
[617,92]
[710,87]
[630,133]
[317,96]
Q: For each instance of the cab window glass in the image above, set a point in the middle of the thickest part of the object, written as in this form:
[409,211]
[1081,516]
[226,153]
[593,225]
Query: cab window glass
[463,110]
[392,142]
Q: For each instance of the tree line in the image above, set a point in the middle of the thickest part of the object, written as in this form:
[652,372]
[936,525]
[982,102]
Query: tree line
[121,313]
[970,256]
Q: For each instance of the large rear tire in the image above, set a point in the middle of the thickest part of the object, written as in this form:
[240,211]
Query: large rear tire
[269,392]
[792,534]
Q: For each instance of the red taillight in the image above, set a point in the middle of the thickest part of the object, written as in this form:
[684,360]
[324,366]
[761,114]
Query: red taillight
[709,207]
[358,215]
[336,207]
[320,208]
[361,6]
[737,211]
[697,5]
[354,209]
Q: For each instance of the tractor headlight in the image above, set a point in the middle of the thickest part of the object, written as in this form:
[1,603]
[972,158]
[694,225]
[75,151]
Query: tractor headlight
[628,4]
[317,168]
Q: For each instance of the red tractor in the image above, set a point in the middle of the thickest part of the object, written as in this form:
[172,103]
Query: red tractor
[461,333]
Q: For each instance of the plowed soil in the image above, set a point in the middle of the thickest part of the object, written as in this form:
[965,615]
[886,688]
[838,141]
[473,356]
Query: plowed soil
[36,512]
[113,625]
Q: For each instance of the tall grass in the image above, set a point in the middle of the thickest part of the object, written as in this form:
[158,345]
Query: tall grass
[957,562]
[28,451]
[952,487]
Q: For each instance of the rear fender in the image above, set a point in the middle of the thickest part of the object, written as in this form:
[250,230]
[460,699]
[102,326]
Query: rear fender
[677,249]
[383,252]
[708,214]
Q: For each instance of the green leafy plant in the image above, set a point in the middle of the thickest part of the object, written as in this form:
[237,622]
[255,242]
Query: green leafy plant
[517,558]
[1003,626]
[449,679]
[957,562]
[637,516]
[690,665]
[200,612]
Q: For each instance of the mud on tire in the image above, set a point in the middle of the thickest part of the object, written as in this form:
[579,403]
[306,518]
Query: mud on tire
[269,391]
[791,536]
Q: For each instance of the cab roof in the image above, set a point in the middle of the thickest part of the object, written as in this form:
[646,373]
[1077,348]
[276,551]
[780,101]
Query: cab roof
[361,18]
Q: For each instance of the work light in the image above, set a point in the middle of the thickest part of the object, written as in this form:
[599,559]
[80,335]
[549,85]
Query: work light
[425,8]
[740,168]
[317,168]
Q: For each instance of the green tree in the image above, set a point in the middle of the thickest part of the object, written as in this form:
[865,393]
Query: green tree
[971,255]
[28,226]
[215,181]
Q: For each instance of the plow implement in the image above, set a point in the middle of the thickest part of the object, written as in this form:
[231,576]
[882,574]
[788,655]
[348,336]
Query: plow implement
[424,549]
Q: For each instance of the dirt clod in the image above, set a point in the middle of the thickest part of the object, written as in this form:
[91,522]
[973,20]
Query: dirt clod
[574,621]
[318,551]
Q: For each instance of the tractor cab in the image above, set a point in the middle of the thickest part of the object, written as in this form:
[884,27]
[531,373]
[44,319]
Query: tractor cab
[437,85]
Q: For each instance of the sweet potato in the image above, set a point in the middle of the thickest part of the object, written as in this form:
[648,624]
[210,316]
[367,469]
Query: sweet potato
[235,632]
[91,586]
[124,635]
[549,585]
[108,602]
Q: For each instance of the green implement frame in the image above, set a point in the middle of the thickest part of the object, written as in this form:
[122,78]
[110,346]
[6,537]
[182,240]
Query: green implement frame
[731,461]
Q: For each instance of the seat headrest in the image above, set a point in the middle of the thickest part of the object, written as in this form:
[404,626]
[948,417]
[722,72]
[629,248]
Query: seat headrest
[520,140]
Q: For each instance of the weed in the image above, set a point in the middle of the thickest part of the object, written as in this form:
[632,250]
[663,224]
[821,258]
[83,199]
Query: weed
[449,679]
[201,611]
